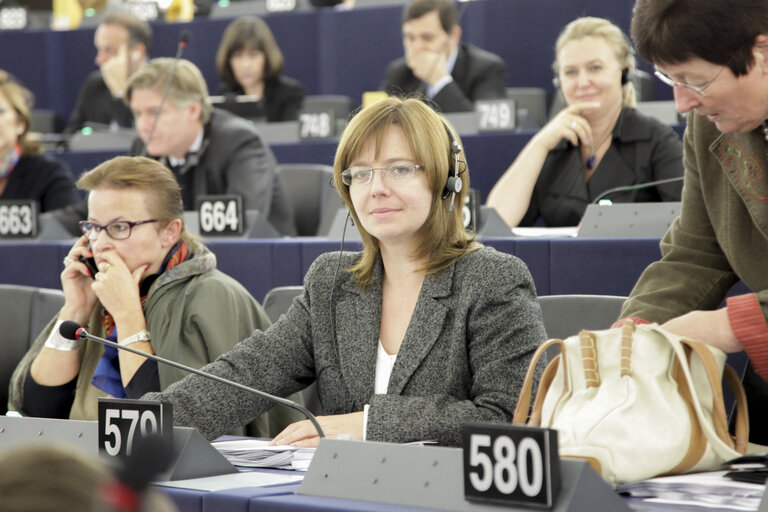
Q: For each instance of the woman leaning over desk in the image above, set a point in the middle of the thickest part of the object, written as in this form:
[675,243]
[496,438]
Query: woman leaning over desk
[598,142]
[154,288]
[423,330]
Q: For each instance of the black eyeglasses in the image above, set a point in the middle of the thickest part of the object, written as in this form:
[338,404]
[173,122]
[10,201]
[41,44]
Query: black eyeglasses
[361,175]
[117,230]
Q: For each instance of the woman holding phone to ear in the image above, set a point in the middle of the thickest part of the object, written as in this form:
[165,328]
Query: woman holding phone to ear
[156,290]
[599,141]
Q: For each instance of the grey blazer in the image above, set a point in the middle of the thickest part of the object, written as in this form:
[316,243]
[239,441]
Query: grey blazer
[463,358]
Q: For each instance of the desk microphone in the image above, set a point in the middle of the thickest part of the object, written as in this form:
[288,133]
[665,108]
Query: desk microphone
[73,331]
[639,186]
[183,42]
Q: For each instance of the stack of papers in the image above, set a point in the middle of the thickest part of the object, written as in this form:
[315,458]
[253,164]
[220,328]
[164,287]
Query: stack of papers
[254,453]
[708,490]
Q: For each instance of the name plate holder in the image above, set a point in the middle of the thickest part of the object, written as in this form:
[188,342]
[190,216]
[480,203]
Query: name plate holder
[18,218]
[628,220]
[432,477]
[193,456]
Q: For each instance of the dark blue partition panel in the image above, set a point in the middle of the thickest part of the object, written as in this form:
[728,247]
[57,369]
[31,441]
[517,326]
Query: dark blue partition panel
[249,263]
[355,48]
[604,266]
[329,51]
[298,35]
[488,155]
[32,264]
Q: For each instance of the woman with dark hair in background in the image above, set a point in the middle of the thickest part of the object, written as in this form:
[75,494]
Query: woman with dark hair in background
[25,173]
[250,63]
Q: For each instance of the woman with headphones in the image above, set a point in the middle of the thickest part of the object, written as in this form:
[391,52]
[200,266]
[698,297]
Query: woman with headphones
[598,142]
[423,330]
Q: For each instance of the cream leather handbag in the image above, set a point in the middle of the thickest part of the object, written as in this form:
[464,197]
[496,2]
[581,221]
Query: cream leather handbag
[637,402]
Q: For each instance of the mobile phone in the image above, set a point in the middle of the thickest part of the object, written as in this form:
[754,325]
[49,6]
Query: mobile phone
[91,264]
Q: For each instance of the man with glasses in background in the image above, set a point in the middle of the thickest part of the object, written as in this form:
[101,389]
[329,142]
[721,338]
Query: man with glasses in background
[436,64]
[715,56]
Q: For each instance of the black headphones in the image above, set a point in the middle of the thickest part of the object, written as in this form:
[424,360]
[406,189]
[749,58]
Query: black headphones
[453,184]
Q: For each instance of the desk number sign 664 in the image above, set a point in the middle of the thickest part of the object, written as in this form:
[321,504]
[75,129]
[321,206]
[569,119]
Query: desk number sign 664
[511,464]
[123,422]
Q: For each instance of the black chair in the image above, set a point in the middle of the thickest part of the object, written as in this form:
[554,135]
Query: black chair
[530,106]
[24,311]
[566,315]
[279,299]
[276,302]
[313,199]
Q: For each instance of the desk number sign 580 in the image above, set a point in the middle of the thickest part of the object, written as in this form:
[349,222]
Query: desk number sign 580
[123,422]
[510,464]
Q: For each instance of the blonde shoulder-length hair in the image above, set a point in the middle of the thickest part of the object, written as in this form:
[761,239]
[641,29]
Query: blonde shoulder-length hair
[590,26]
[443,237]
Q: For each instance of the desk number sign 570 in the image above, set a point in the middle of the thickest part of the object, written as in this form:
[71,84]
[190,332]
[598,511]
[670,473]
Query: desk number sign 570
[123,422]
[510,464]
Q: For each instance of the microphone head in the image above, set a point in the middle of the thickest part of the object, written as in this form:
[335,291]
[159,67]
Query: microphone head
[184,38]
[69,329]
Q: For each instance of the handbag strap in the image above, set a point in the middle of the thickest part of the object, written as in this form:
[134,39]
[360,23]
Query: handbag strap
[627,336]
[719,438]
[588,344]
[524,400]
[741,425]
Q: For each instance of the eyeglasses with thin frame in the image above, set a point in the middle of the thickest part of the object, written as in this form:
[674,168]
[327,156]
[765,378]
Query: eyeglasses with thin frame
[362,175]
[117,230]
[697,89]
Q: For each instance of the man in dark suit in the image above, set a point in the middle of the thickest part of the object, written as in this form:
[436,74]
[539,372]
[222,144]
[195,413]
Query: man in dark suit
[122,43]
[436,64]
[209,150]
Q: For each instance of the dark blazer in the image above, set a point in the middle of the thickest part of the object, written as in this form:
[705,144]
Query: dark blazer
[283,97]
[477,75]
[642,150]
[464,355]
[45,179]
[95,104]
[234,159]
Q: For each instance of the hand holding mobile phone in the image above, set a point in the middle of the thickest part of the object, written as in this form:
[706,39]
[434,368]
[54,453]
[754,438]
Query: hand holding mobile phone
[91,264]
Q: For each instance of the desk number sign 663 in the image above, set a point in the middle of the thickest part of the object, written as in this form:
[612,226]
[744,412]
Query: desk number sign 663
[123,422]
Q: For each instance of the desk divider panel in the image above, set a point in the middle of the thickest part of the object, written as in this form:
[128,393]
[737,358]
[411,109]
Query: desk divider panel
[431,477]
[193,456]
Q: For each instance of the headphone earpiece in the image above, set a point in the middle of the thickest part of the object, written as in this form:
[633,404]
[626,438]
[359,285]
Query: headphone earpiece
[453,184]
[624,76]
[556,82]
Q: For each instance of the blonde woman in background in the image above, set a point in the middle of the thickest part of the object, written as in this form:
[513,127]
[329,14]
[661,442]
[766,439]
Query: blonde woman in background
[598,142]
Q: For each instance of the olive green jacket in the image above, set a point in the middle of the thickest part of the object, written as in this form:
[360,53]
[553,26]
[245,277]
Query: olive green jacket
[720,237]
[194,314]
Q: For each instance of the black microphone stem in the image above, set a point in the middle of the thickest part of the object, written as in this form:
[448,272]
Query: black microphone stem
[287,403]
[639,186]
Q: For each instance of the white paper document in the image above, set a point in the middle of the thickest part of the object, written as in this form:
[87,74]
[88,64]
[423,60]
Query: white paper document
[234,481]
[708,490]
[255,453]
